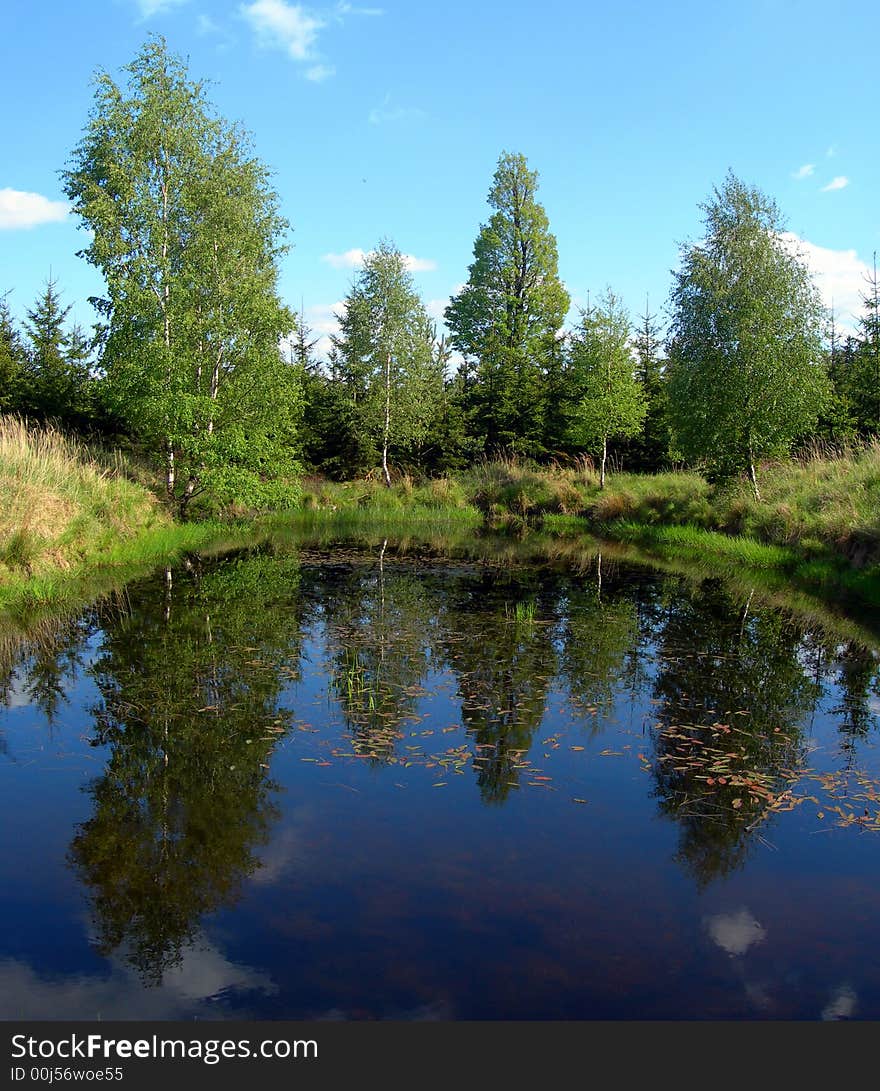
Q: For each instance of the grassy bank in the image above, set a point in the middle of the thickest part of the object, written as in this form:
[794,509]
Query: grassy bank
[71,515]
[818,521]
[73,519]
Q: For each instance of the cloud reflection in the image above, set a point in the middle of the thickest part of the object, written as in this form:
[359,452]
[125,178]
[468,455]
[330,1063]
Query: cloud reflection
[735,933]
[186,992]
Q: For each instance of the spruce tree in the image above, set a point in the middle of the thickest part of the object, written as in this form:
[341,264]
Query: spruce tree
[506,318]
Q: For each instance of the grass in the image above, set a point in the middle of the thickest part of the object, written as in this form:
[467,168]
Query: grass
[825,503]
[818,521]
[370,495]
[522,614]
[70,513]
[62,504]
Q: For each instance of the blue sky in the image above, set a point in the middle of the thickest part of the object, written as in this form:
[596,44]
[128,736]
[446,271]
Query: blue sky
[386,119]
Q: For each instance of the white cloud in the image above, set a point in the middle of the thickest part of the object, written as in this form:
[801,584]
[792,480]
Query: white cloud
[319,72]
[839,276]
[20,209]
[354,258]
[840,182]
[350,9]
[418,265]
[284,26]
[322,320]
[294,29]
[149,8]
[351,259]
[206,25]
[323,317]
[805,171]
[735,933]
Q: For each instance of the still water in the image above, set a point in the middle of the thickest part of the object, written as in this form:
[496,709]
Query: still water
[361,787]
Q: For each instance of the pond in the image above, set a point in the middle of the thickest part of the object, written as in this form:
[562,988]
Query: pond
[284,785]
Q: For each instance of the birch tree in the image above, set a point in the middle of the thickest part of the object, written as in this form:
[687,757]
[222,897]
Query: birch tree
[611,401]
[187,233]
[384,357]
[746,373]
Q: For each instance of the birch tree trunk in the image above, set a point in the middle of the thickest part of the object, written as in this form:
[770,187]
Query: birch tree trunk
[604,457]
[387,429]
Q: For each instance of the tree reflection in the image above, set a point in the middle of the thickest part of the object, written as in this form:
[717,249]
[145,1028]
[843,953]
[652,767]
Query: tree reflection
[859,686]
[190,683]
[498,642]
[379,633]
[44,664]
[734,697]
[600,643]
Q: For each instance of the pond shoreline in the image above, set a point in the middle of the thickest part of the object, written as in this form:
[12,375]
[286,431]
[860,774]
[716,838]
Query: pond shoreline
[827,590]
[503,516]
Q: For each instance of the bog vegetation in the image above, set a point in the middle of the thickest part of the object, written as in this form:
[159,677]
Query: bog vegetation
[750,414]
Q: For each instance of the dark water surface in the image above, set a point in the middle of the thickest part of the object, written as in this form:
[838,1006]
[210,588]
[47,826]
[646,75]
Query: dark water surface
[287,787]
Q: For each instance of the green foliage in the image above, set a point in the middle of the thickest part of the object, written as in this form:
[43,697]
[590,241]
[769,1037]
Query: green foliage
[746,371]
[186,232]
[861,372]
[520,613]
[12,361]
[651,448]
[57,381]
[388,378]
[506,318]
[610,400]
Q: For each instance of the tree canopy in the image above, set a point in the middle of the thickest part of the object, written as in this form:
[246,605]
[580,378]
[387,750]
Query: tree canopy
[384,358]
[747,372]
[187,233]
[506,318]
[610,400]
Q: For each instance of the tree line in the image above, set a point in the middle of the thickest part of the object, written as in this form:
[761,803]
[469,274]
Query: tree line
[196,359]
